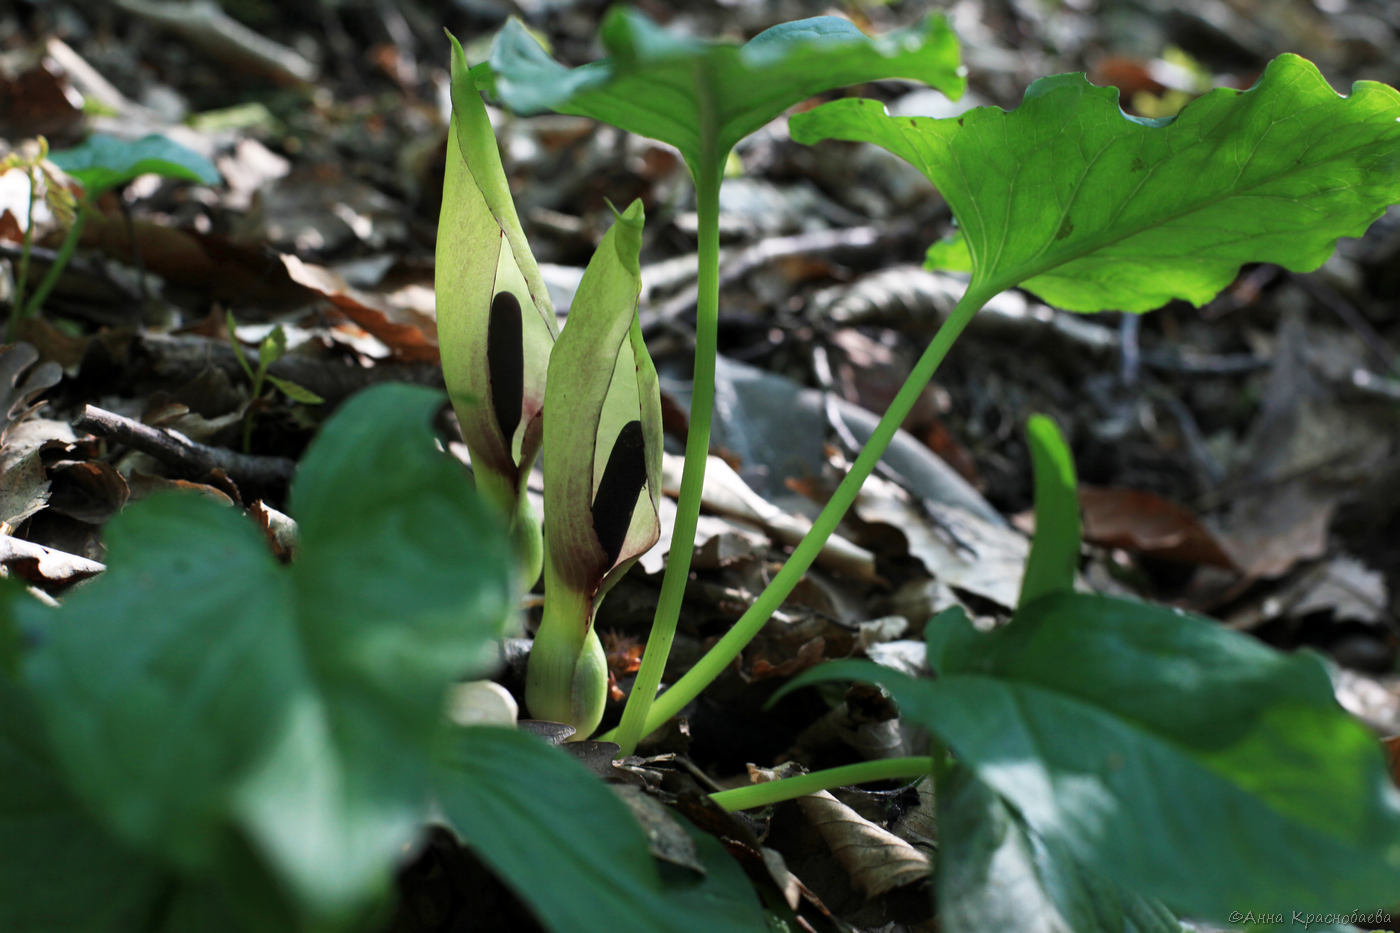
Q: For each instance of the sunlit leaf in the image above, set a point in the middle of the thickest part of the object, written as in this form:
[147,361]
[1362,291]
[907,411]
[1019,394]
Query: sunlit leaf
[1094,210]
[703,97]
[1054,553]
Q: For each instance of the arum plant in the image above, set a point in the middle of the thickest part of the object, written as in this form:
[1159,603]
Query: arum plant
[602,467]
[704,97]
[495,320]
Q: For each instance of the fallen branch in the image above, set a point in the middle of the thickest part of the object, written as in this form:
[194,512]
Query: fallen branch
[179,452]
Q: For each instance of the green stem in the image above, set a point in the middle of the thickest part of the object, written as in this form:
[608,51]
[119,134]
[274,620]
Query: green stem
[708,176]
[760,795]
[566,679]
[737,638]
[60,262]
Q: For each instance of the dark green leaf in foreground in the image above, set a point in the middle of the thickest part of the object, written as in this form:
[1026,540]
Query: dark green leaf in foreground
[202,698]
[994,874]
[104,162]
[59,869]
[1185,762]
[1094,210]
[703,97]
[505,792]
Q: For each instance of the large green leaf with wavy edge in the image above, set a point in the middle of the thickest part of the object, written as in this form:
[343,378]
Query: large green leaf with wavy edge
[703,97]
[1184,761]
[59,869]
[204,701]
[1094,210]
[995,874]
[572,850]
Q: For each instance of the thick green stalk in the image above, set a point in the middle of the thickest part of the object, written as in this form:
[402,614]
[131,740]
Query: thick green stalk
[60,262]
[760,795]
[737,638]
[708,175]
[567,677]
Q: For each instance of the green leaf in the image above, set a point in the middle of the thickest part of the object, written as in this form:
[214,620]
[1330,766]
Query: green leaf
[995,874]
[571,850]
[272,348]
[1055,549]
[1184,761]
[104,162]
[295,392]
[495,321]
[59,870]
[199,695]
[1094,210]
[703,97]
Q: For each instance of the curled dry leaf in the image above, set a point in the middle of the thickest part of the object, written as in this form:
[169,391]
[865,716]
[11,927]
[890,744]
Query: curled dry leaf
[876,859]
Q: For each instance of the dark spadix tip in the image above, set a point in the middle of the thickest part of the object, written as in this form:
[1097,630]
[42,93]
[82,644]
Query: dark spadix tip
[623,478]
[505,361]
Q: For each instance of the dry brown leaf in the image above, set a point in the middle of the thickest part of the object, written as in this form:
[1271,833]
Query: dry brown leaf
[876,860]
[1145,523]
[44,566]
[411,337]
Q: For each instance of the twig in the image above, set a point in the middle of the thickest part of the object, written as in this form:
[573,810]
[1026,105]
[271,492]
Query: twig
[181,359]
[196,460]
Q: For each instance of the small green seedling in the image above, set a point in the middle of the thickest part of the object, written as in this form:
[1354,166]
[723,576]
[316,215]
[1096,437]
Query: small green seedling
[272,348]
[100,164]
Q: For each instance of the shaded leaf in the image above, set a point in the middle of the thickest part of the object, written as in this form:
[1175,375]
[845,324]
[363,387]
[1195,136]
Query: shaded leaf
[703,97]
[104,162]
[596,872]
[1105,722]
[1095,210]
[199,693]
[996,874]
[59,870]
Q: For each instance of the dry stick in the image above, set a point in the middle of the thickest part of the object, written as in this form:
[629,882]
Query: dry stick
[174,449]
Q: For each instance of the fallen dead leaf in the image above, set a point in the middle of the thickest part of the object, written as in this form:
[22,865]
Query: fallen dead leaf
[1145,523]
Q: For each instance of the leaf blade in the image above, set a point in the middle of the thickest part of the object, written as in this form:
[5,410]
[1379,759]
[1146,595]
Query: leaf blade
[1094,210]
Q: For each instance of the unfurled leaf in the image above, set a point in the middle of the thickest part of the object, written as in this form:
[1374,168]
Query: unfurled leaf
[59,870]
[205,702]
[1095,210]
[1054,553]
[505,791]
[995,874]
[104,162]
[703,97]
[1183,761]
